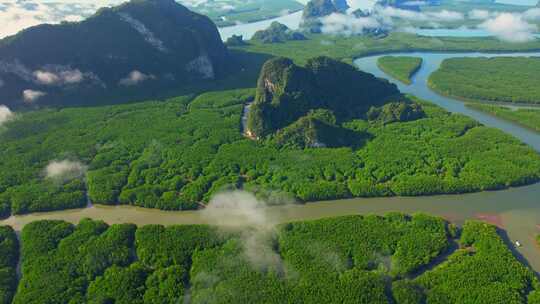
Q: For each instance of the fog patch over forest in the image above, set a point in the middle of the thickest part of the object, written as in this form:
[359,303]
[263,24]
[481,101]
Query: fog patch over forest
[65,170]
[5,115]
[240,210]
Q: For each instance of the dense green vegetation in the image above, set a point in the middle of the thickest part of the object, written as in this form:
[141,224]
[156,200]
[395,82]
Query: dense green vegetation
[277,32]
[395,112]
[352,259]
[286,92]
[176,153]
[401,68]
[9,256]
[503,79]
[71,257]
[527,117]
[483,270]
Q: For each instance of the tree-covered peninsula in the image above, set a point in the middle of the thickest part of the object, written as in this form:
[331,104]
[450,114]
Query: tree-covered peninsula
[506,79]
[395,258]
[401,68]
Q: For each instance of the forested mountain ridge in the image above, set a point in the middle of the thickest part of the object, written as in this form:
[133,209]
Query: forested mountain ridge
[139,44]
[286,92]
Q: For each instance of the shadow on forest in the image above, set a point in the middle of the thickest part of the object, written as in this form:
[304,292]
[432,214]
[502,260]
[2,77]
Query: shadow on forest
[242,72]
[441,258]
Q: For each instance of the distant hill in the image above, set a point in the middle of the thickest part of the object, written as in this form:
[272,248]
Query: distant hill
[277,32]
[140,45]
[316,9]
[287,92]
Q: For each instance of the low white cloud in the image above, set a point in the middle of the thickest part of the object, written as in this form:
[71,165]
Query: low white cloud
[510,27]
[532,14]
[65,170]
[393,12]
[382,17]
[31,96]
[438,16]
[18,15]
[345,24]
[478,14]
[59,77]
[47,78]
[72,76]
[446,16]
[242,210]
[5,114]
[135,78]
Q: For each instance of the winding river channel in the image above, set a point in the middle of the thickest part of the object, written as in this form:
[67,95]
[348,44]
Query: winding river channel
[516,210]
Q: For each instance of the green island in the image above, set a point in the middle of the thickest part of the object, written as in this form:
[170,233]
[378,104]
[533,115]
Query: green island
[527,117]
[401,68]
[499,79]
[354,259]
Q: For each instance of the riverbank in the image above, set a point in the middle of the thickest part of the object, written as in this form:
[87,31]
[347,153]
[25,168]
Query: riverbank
[400,68]
[502,79]
[528,118]
[520,217]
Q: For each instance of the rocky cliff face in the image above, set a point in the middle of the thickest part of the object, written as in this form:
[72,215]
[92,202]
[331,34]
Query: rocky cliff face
[135,45]
[287,92]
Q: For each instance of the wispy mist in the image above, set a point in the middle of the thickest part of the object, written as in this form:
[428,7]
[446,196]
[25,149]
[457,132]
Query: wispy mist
[31,96]
[510,27]
[242,210]
[65,170]
[135,78]
[5,115]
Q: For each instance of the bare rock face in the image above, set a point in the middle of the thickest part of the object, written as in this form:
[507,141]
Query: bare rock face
[146,43]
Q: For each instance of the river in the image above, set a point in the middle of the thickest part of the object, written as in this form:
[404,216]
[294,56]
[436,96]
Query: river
[517,210]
